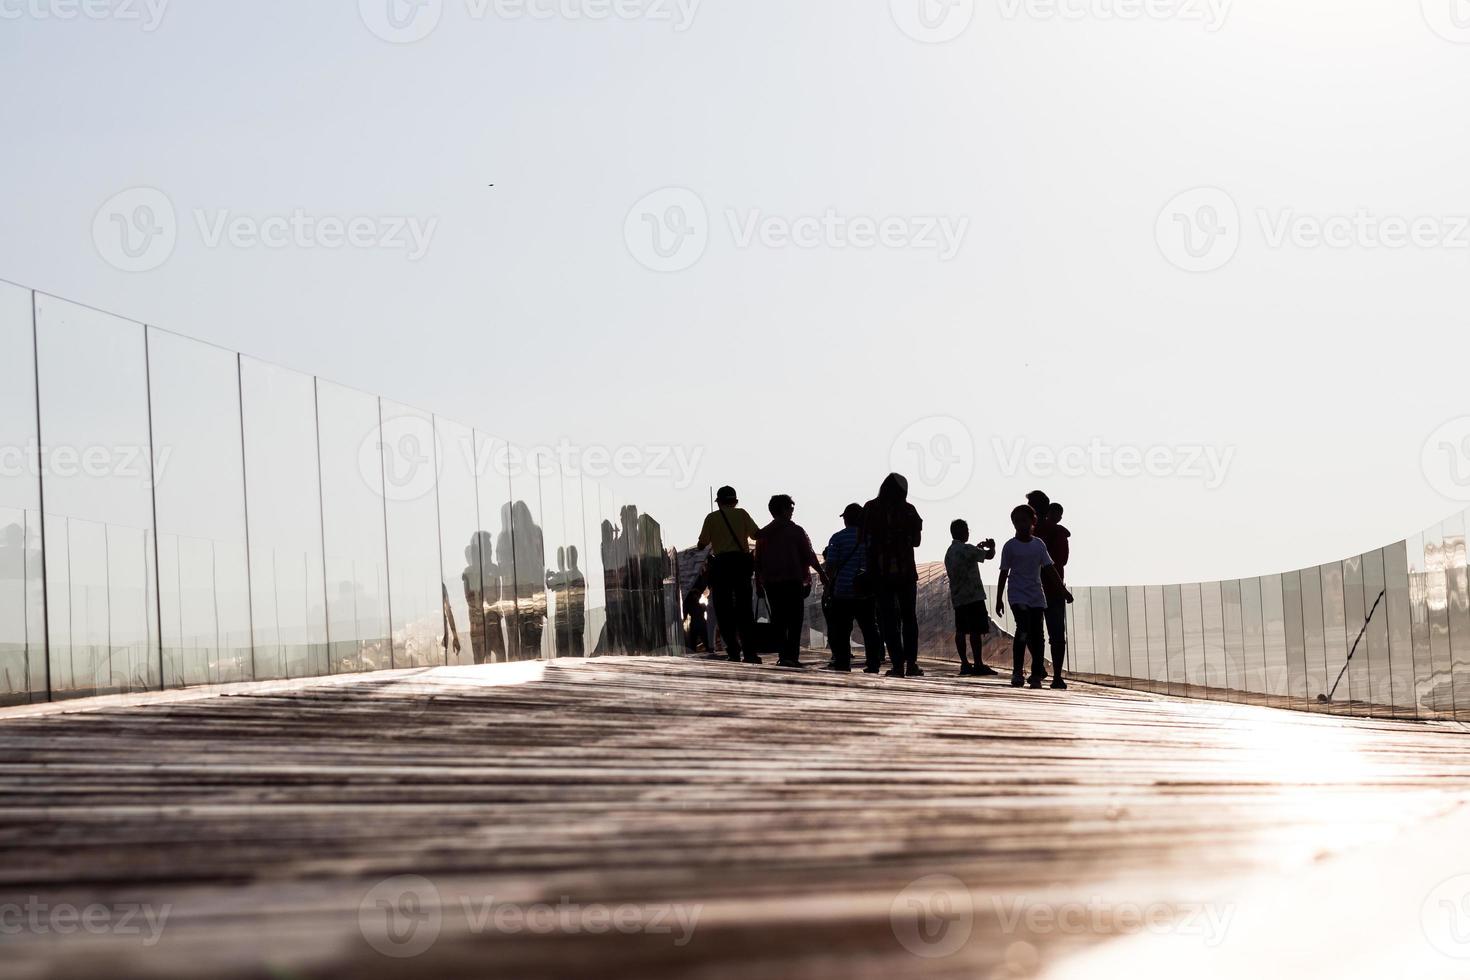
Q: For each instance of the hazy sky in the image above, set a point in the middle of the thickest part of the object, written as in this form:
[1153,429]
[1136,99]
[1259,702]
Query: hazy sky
[803,241]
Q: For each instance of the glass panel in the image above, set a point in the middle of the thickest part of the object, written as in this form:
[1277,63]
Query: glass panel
[204,579]
[1214,620]
[1102,630]
[1158,662]
[102,604]
[1455,667]
[1274,623]
[1138,634]
[410,457]
[1313,637]
[497,596]
[1086,659]
[1400,636]
[1334,631]
[552,497]
[1375,643]
[1253,630]
[283,497]
[1428,599]
[596,618]
[22,604]
[1358,695]
[1235,668]
[1296,640]
[1174,638]
[461,585]
[521,553]
[352,523]
[1194,636]
[1122,656]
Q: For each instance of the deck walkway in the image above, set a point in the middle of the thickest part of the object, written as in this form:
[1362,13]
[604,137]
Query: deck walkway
[677,817]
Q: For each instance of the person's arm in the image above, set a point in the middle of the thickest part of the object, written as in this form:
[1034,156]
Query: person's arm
[812,560]
[704,536]
[976,553]
[760,585]
[918,529]
[1053,581]
[752,529]
[1000,592]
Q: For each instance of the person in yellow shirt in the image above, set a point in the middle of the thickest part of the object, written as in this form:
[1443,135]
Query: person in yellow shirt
[728,532]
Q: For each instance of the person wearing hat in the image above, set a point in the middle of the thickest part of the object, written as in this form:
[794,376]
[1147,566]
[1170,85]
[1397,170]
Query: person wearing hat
[784,562]
[727,532]
[843,603]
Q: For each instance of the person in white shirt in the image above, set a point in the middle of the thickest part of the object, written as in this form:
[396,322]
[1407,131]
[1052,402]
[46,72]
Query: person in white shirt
[1024,562]
[967,595]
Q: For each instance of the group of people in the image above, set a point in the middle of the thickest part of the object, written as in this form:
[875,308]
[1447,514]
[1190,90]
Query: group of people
[870,580]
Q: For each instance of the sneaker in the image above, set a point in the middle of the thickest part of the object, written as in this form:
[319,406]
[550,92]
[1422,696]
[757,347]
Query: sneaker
[837,668]
[734,658]
[790,665]
[987,671]
[895,672]
[914,671]
[1036,683]
[753,659]
[872,670]
[1058,685]
[965,669]
[1017,680]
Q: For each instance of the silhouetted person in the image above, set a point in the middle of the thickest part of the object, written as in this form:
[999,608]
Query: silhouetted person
[571,602]
[843,603]
[967,595]
[727,533]
[482,594]
[892,530]
[784,561]
[1058,544]
[653,569]
[1024,564]
[613,573]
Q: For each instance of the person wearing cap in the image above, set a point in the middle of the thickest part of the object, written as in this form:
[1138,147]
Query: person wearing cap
[784,561]
[727,532]
[843,603]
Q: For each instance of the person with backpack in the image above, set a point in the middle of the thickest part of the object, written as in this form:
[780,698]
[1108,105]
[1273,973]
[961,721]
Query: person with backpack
[728,532]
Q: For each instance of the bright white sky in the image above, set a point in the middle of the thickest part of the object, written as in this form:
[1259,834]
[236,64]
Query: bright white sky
[1061,319]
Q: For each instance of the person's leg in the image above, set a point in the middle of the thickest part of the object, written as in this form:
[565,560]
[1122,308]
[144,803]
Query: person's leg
[890,624]
[722,589]
[1037,643]
[839,631]
[1018,646]
[1056,630]
[977,643]
[908,598]
[959,643]
[786,612]
[744,614]
[865,614]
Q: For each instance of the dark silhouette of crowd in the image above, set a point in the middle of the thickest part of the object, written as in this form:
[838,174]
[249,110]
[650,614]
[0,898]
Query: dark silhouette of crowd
[759,580]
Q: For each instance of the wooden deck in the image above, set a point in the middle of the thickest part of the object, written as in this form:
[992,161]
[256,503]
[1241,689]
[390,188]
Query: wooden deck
[714,820]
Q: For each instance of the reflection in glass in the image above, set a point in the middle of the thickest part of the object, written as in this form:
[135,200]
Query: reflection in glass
[101,573]
[1122,663]
[1174,639]
[1359,697]
[1400,631]
[1102,629]
[1194,636]
[1274,624]
[520,551]
[410,463]
[1421,550]
[1296,641]
[460,576]
[1084,655]
[204,582]
[1457,601]
[1313,637]
[1253,630]
[1334,629]
[283,495]
[591,564]
[1138,635]
[1213,609]
[22,603]
[487,586]
[1158,662]
[1375,643]
[1235,668]
[352,524]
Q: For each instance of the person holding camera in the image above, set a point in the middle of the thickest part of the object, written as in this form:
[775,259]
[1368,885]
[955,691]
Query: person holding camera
[967,594]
